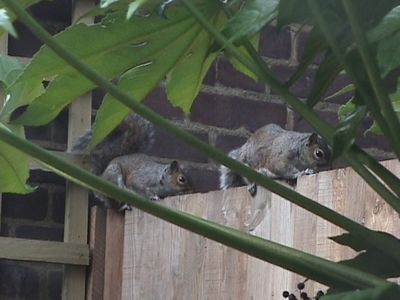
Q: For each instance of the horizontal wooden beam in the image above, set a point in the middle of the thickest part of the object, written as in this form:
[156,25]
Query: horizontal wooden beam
[44,251]
[71,157]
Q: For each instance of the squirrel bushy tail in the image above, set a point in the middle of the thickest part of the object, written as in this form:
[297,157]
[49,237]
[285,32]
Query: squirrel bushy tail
[229,178]
[134,134]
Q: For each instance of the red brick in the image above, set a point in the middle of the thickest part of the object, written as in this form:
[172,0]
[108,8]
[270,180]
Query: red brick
[275,44]
[168,146]
[229,76]
[228,142]
[303,126]
[158,102]
[39,233]
[235,112]
[18,280]
[32,206]
[302,87]
[203,180]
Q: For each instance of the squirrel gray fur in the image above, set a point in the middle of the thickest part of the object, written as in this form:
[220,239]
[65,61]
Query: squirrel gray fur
[278,154]
[117,159]
[134,134]
[147,177]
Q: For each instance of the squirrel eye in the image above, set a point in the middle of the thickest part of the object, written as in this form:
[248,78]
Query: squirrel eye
[319,153]
[181,179]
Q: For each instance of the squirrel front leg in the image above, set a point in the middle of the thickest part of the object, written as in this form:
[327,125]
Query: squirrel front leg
[252,187]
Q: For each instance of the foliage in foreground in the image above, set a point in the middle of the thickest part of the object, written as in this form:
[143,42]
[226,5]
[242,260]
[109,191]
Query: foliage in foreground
[140,47]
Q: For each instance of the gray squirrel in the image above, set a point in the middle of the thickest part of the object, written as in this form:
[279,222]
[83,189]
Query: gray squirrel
[117,159]
[278,154]
[147,177]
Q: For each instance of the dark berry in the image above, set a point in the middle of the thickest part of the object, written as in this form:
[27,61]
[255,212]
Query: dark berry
[304,295]
[285,294]
[300,285]
[292,297]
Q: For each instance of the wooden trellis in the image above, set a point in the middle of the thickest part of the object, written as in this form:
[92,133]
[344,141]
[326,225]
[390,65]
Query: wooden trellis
[74,251]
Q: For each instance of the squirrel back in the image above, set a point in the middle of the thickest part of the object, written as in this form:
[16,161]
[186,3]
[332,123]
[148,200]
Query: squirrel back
[147,177]
[134,134]
[279,154]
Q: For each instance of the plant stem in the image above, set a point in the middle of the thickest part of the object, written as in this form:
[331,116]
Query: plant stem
[218,156]
[374,75]
[310,266]
[373,106]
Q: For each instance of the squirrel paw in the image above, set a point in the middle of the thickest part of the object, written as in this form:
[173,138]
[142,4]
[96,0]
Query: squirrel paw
[155,198]
[308,171]
[125,207]
[252,188]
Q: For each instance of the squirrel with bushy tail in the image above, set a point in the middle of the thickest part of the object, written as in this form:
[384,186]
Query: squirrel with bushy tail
[120,159]
[279,154]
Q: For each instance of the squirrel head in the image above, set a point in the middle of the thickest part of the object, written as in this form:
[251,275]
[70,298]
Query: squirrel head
[318,150]
[176,179]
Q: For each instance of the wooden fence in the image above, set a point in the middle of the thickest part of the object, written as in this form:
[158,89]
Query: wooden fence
[162,261]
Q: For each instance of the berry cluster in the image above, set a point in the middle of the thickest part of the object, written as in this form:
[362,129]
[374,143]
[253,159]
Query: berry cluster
[303,294]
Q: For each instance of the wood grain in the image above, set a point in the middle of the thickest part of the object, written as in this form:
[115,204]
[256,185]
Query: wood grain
[163,261]
[44,251]
[76,203]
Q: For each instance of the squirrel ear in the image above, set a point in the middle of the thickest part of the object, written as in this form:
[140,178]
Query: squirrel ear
[174,166]
[313,139]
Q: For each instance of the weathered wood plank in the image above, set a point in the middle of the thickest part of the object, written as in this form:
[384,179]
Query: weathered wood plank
[76,204]
[97,242]
[162,261]
[114,248]
[44,251]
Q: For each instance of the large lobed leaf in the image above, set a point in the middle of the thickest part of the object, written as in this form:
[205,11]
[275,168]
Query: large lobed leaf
[14,166]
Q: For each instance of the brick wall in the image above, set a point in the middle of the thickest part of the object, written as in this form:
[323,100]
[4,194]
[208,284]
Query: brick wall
[229,107]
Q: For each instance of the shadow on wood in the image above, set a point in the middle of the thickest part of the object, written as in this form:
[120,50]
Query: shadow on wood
[163,261]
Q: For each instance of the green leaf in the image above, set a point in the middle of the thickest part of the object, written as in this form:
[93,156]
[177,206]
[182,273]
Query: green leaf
[119,46]
[347,109]
[6,23]
[346,132]
[292,11]
[387,292]
[14,166]
[11,17]
[239,66]
[370,259]
[140,81]
[10,68]
[314,45]
[133,7]
[326,74]
[254,15]
[374,262]
[389,25]
[344,90]
[387,33]
[185,79]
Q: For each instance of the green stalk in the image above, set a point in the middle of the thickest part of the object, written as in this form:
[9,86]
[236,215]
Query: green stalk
[218,156]
[388,177]
[373,106]
[263,73]
[310,266]
[321,126]
[374,75]
[355,156]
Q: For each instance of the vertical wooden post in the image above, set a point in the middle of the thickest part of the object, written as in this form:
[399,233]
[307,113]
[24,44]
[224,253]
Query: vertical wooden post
[4,51]
[76,203]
